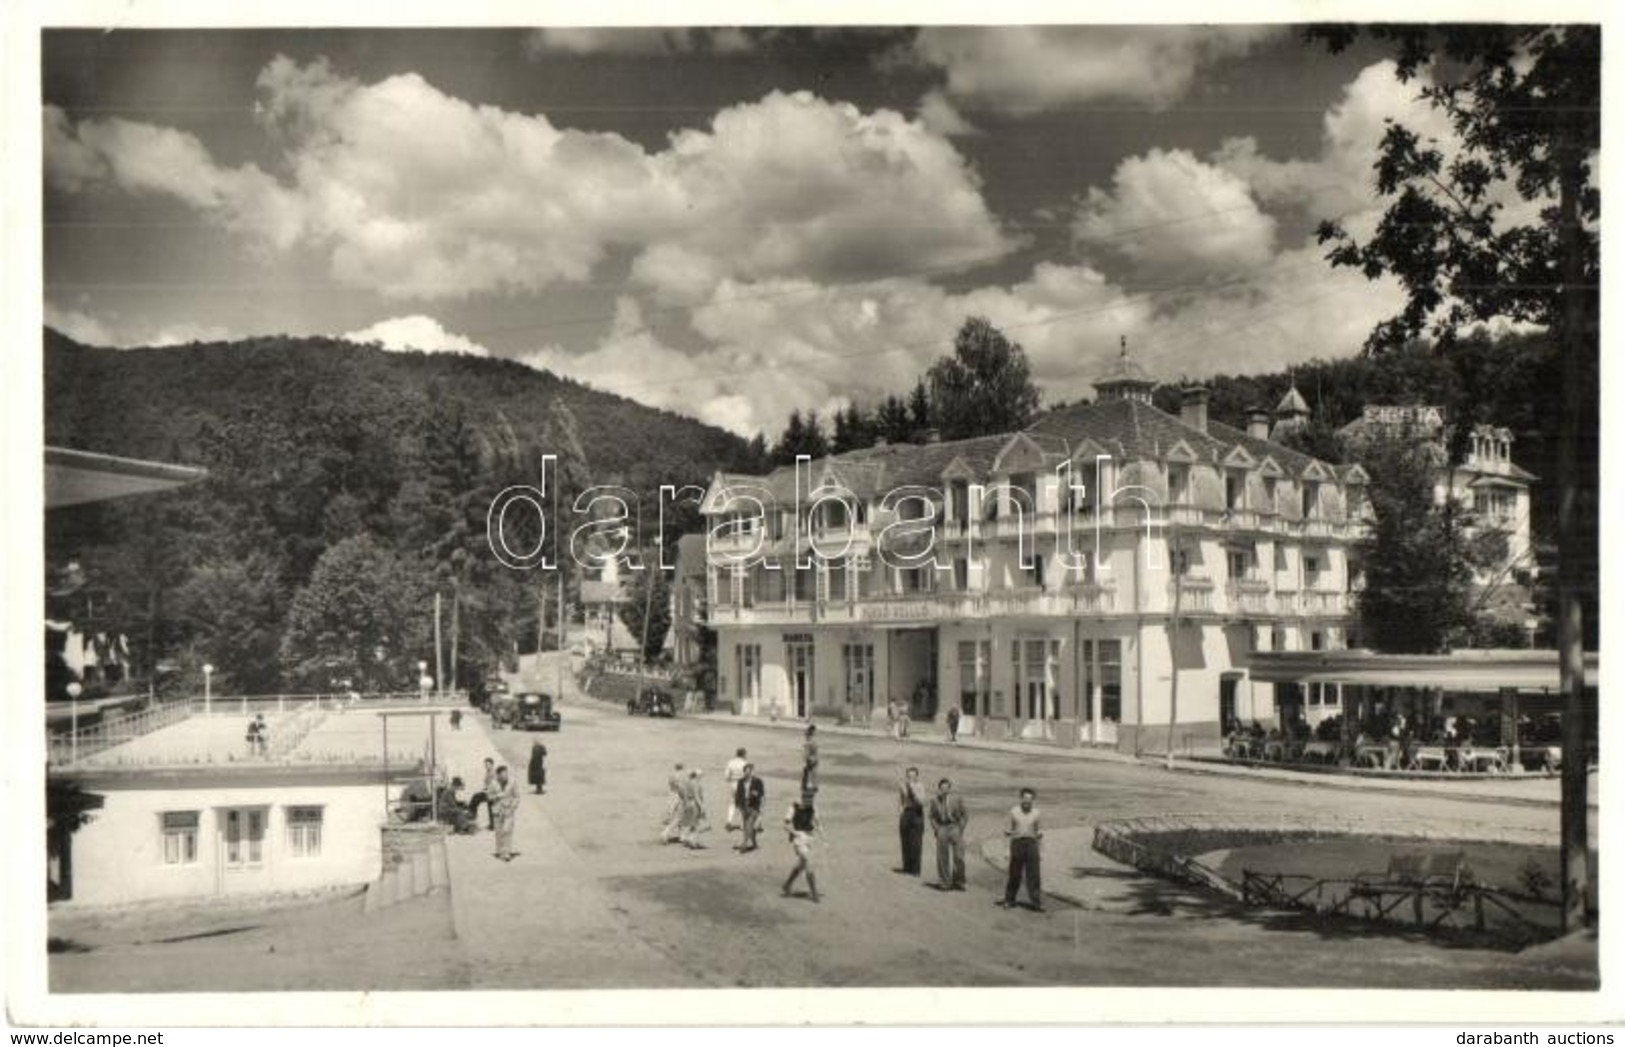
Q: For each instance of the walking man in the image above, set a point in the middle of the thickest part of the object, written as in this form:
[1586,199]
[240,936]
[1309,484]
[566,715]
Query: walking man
[487,791]
[677,782]
[953,725]
[694,821]
[801,822]
[911,819]
[732,774]
[749,795]
[505,803]
[809,757]
[948,821]
[1025,834]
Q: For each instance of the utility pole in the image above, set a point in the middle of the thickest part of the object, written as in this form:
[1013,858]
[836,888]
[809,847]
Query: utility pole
[437,666]
[559,629]
[1173,639]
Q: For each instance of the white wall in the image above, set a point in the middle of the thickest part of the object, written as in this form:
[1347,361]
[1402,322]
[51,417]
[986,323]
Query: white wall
[119,855]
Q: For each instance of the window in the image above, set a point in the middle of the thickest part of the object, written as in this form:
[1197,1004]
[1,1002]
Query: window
[961,574]
[304,832]
[1111,680]
[1310,499]
[1271,505]
[974,672]
[1239,563]
[245,837]
[1235,490]
[180,837]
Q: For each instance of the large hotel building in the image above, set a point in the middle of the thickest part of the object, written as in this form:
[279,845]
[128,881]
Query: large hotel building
[1049,583]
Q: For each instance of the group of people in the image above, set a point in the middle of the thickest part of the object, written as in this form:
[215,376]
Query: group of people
[500,794]
[948,818]
[945,812]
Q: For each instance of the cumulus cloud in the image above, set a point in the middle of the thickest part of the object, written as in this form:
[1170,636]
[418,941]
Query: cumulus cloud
[1338,183]
[80,326]
[939,115]
[1027,69]
[414,193]
[1170,214]
[144,159]
[638,40]
[416,333]
[89,329]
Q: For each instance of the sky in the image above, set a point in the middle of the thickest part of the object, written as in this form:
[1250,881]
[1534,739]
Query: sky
[728,223]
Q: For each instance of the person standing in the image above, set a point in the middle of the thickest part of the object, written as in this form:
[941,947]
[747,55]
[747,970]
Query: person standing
[505,802]
[536,773]
[694,821]
[801,823]
[911,819]
[1025,834]
[487,790]
[749,795]
[732,774]
[953,725]
[809,760]
[948,821]
[677,782]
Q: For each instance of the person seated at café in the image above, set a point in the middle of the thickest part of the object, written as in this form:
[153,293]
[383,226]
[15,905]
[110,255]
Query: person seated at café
[416,801]
[452,807]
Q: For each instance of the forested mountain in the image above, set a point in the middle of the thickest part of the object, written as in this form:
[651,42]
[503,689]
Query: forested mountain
[347,485]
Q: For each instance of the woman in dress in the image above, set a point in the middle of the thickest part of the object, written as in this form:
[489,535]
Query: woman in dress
[537,773]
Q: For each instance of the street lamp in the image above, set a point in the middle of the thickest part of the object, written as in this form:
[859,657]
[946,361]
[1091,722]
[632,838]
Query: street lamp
[74,691]
[424,682]
[208,692]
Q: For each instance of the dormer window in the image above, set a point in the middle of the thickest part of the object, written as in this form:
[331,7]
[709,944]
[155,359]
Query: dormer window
[1179,478]
[1235,491]
[1271,492]
[1311,499]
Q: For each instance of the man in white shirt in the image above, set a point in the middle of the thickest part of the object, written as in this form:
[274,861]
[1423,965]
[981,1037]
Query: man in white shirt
[734,771]
[1024,833]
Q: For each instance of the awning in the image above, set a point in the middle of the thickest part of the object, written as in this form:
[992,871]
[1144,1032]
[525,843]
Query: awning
[77,477]
[1458,671]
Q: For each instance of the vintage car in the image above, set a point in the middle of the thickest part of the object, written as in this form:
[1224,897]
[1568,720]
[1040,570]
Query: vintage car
[533,711]
[651,701]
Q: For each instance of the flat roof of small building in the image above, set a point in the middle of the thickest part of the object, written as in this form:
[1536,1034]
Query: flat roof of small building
[299,738]
[1476,670]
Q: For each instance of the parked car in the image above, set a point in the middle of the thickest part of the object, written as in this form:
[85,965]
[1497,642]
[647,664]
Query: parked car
[651,701]
[536,712]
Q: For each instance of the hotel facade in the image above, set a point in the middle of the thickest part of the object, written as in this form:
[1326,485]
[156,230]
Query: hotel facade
[1052,584]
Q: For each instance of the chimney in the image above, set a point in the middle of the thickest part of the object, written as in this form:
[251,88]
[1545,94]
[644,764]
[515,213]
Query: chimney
[1193,408]
[1258,423]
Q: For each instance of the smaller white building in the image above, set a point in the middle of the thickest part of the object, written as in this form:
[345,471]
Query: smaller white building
[192,810]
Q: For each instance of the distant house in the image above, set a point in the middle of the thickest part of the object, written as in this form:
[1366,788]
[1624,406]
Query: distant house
[603,592]
[688,608]
[1488,481]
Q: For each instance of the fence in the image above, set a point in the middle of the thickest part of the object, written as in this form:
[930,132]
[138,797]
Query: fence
[71,746]
[1169,846]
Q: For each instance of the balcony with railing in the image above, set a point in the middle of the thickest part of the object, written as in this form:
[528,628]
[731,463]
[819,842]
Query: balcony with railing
[1248,596]
[1195,595]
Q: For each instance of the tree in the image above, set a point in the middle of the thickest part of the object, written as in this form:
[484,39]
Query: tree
[985,387]
[892,422]
[363,616]
[1525,104]
[646,611]
[853,430]
[1418,561]
[802,435]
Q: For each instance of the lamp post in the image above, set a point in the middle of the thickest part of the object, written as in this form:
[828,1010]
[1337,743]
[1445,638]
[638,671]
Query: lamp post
[208,690]
[74,691]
